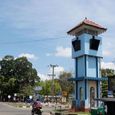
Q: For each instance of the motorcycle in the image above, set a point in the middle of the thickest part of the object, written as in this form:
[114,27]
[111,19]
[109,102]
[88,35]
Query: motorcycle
[36,108]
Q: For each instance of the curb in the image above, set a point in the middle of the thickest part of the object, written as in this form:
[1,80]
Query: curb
[24,106]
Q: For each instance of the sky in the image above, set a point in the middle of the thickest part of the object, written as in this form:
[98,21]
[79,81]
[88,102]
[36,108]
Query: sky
[38,29]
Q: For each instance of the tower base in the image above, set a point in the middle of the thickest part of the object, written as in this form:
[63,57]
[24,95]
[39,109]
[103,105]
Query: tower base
[78,109]
[79,106]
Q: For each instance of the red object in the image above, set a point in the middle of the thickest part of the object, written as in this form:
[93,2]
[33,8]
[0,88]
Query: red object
[87,24]
[91,23]
[37,104]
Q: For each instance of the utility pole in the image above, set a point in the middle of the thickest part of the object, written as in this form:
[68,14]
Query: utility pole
[114,65]
[53,75]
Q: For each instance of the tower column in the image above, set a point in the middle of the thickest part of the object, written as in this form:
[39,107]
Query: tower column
[85,58]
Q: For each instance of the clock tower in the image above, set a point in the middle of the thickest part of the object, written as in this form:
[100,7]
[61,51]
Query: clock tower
[87,53]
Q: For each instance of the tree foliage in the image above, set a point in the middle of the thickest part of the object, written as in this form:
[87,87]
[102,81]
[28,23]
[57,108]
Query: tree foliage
[46,87]
[16,75]
[106,73]
[66,85]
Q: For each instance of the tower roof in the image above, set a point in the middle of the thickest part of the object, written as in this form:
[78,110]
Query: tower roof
[87,24]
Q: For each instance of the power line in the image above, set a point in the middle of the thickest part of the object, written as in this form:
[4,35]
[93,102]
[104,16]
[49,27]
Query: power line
[30,41]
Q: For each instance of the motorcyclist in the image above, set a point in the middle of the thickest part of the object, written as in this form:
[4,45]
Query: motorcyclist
[36,106]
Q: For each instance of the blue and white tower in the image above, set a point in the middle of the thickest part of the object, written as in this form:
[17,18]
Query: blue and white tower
[87,52]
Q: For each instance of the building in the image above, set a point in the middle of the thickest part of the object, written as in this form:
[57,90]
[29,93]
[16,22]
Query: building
[87,52]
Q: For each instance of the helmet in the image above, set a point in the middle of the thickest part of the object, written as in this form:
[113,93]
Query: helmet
[37,100]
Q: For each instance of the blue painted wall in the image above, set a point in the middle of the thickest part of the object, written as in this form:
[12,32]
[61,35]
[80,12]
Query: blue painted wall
[85,47]
[91,67]
[87,64]
[81,67]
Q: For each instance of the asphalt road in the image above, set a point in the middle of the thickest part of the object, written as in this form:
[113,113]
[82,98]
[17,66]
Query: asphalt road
[9,110]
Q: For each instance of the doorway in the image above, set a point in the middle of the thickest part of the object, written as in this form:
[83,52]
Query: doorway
[92,96]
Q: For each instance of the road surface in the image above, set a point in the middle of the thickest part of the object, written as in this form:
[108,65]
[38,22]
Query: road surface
[9,110]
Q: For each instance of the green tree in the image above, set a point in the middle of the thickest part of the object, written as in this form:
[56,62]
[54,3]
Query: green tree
[27,90]
[57,87]
[106,73]
[66,85]
[25,74]
[6,73]
[46,87]
[17,75]
[7,66]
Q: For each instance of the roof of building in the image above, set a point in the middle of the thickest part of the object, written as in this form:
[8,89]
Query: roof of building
[86,23]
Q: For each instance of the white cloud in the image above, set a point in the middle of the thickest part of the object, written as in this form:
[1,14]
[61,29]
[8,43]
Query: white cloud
[63,52]
[37,18]
[57,71]
[107,65]
[107,53]
[43,77]
[29,56]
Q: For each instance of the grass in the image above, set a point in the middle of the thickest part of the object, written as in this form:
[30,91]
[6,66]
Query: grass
[83,113]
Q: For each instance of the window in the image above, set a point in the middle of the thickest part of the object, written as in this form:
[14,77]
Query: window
[76,45]
[94,44]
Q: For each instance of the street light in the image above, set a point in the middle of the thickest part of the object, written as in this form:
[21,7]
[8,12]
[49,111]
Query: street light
[0,94]
[114,64]
[9,96]
[14,96]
